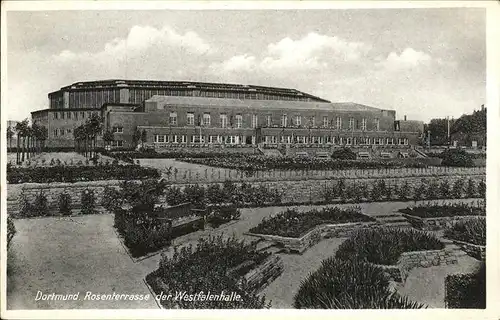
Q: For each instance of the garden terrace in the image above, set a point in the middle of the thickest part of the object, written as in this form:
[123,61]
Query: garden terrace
[79,173]
[384,246]
[446,210]
[471,230]
[295,224]
[214,264]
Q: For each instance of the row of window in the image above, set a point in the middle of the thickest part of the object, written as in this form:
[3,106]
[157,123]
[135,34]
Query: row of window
[96,98]
[62,132]
[75,115]
[282,139]
[205,120]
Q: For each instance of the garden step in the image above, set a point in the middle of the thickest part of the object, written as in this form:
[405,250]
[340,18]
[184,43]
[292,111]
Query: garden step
[264,245]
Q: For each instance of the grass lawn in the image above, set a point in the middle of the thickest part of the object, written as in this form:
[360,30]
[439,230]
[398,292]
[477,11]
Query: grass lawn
[62,156]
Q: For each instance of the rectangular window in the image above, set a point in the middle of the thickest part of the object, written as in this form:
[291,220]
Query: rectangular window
[117,143]
[255,121]
[339,123]
[223,120]
[56,115]
[173,118]
[160,138]
[68,115]
[82,114]
[175,139]
[376,124]
[68,131]
[406,141]
[298,120]
[183,139]
[239,121]
[75,115]
[381,141]
[190,119]
[325,122]
[269,120]
[284,120]
[206,119]
[55,132]
[312,121]
[390,141]
[363,124]
[351,123]
[117,129]
[62,115]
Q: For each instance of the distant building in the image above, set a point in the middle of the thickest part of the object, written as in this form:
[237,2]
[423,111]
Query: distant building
[12,142]
[212,114]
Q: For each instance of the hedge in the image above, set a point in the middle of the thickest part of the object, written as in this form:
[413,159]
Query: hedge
[205,267]
[385,245]
[466,291]
[292,223]
[349,284]
[79,173]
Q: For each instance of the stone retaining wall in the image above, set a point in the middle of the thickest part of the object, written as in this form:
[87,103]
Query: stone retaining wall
[265,273]
[300,245]
[308,191]
[434,224]
[476,251]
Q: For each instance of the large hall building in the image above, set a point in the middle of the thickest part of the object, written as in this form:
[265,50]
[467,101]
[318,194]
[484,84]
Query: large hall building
[195,114]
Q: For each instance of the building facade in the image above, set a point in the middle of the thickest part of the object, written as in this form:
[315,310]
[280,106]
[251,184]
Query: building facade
[184,114]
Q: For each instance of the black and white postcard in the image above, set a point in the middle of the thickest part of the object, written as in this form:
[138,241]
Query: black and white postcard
[291,159]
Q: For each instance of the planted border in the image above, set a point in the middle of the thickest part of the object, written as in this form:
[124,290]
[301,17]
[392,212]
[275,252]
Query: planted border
[470,235]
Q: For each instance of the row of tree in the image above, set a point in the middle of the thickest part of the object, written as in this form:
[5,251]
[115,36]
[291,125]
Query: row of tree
[30,139]
[86,136]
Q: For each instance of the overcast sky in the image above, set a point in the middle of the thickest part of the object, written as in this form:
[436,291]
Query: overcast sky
[423,63]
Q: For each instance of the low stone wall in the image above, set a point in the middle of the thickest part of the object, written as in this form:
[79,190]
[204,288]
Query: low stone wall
[427,258]
[265,273]
[476,251]
[434,224]
[299,245]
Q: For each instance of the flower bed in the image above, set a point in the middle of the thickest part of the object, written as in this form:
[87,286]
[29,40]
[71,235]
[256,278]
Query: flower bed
[256,163]
[79,173]
[470,235]
[349,284]
[436,217]
[206,267]
[293,223]
[385,245]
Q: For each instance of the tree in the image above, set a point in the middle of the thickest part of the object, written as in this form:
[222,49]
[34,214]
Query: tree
[43,134]
[143,137]
[22,131]
[10,136]
[439,131]
[136,137]
[108,137]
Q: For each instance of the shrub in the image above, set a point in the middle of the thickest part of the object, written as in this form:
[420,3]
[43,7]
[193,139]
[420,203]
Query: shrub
[195,195]
[64,202]
[205,267]
[344,154]
[458,189]
[221,215]
[174,196]
[444,189]
[11,230]
[385,245]
[456,158]
[420,192]
[471,230]
[40,207]
[445,210]
[471,189]
[348,284]
[292,223]
[466,291]
[432,191]
[111,199]
[26,208]
[481,189]
[403,192]
[88,202]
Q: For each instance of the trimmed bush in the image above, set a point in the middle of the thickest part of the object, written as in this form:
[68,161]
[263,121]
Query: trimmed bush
[293,223]
[466,291]
[349,284]
[458,189]
[344,154]
[446,210]
[11,231]
[111,199]
[470,230]
[40,207]
[88,202]
[471,189]
[385,245]
[205,267]
[221,215]
[64,203]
